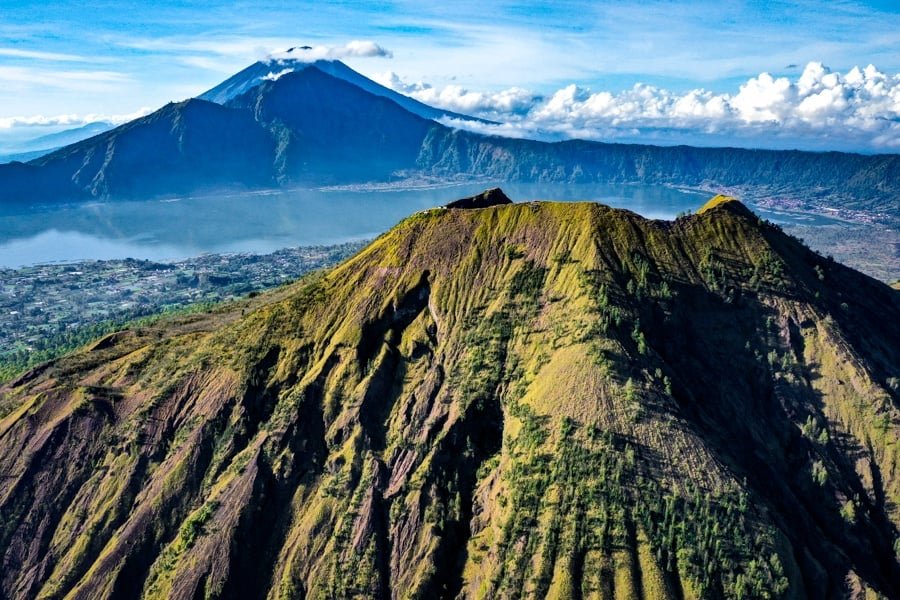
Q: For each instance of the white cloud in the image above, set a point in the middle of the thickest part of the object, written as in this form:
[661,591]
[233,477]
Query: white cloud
[353,49]
[764,98]
[39,55]
[22,79]
[857,110]
[512,101]
[231,53]
[276,76]
[71,120]
[395,82]
[208,64]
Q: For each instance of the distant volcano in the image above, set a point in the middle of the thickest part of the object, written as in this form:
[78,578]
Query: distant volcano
[287,122]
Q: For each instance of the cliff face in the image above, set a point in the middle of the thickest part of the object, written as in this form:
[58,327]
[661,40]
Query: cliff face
[537,400]
[870,183]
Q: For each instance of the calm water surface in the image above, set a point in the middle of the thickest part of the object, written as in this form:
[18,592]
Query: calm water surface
[265,222]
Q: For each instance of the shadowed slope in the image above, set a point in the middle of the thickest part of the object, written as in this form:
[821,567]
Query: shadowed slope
[185,147]
[330,130]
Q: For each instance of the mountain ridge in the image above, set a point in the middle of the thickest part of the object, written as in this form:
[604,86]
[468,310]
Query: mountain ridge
[539,400]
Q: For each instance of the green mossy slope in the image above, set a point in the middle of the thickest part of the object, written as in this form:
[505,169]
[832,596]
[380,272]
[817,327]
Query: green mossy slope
[539,400]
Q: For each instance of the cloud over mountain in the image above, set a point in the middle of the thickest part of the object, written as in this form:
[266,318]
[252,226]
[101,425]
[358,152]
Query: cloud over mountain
[856,110]
[353,49]
[69,120]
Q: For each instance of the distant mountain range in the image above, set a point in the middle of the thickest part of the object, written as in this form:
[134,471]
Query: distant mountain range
[45,144]
[288,123]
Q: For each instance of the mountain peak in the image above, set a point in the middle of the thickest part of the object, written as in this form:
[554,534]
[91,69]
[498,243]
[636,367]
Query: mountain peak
[721,200]
[491,197]
[298,59]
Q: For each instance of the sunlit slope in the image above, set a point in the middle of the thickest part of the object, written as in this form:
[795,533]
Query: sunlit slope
[534,400]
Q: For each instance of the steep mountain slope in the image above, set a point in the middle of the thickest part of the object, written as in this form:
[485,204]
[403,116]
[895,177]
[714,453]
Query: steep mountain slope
[329,130]
[180,148]
[537,400]
[324,124]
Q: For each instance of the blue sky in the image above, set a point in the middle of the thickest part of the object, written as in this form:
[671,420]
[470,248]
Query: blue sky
[114,58]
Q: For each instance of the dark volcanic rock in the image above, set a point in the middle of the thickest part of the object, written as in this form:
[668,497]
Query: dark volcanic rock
[491,197]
